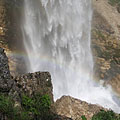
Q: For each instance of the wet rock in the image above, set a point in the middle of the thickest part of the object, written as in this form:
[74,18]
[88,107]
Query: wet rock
[106,54]
[5,78]
[115,83]
[106,43]
[74,108]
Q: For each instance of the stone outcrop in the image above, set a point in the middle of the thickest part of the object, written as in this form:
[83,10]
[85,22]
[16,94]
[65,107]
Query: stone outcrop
[27,84]
[10,33]
[5,78]
[2,22]
[66,108]
[30,84]
[74,108]
[5,23]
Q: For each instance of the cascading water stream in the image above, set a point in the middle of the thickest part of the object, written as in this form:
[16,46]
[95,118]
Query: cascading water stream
[56,36]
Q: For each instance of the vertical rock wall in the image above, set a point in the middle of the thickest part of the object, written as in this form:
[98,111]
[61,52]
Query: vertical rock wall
[10,34]
[106,43]
[5,78]
[3,25]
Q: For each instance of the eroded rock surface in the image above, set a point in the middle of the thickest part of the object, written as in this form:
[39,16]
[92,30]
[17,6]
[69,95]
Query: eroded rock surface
[28,84]
[109,13]
[31,83]
[74,108]
[5,78]
[2,22]
[106,43]
[10,34]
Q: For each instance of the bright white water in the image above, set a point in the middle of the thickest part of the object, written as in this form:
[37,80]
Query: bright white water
[56,35]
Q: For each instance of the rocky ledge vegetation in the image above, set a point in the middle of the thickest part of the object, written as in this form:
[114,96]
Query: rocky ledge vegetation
[25,97]
[29,96]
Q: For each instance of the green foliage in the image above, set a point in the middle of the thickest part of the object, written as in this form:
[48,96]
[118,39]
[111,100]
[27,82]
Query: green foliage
[105,115]
[20,115]
[7,108]
[6,105]
[38,105]
[43,102]
[27,103]
[83,117]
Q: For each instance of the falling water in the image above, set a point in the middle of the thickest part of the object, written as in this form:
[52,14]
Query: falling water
[56,36]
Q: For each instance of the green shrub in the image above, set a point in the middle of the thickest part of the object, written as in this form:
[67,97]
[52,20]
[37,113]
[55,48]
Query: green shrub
[7,108]
[27,103]
[105,115]
[6,105]
[33,108]
[38,105]
[83,117]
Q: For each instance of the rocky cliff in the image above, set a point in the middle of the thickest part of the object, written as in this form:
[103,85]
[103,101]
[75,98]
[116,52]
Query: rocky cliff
[105,39]
[25,87]
[5,77]
[106,42]
[3,24]
[105,46]
[10,34]
[22,90]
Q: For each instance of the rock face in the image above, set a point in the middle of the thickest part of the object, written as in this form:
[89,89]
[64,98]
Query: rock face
[5,78]
[66,108]
[106,43]
[74,108]
[109,13]
[2,22]
[31,83]
[10,34]
[5,37]
[105,51]
[115,82]
[105,38]
[105,46]
[27,84]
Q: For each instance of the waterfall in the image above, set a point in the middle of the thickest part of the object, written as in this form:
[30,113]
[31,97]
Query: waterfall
[56,37]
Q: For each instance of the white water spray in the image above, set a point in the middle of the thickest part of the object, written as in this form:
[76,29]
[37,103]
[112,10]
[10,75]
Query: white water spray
[56,35]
